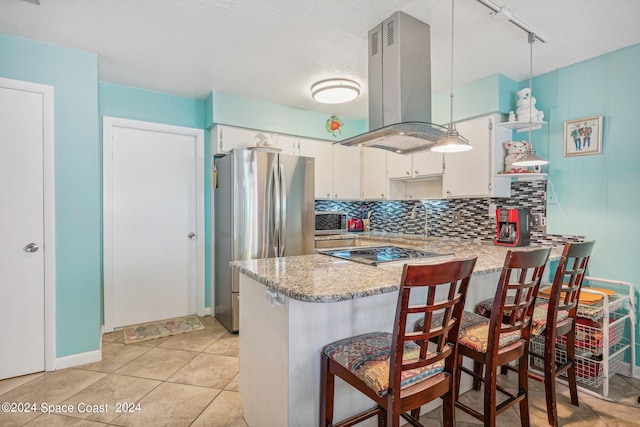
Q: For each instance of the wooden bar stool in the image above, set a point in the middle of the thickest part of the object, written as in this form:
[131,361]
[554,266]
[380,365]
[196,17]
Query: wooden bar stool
[391,369]
[504,338]
[561,305]
[560,321]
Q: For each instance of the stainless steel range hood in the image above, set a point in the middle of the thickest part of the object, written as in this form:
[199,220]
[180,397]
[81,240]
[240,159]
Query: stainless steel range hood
[399,88]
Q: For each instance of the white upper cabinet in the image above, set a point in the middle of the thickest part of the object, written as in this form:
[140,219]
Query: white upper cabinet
[346,172]
[425,163]
[287,143]
[374,174]
[473,173]
[322,152]
[226,138]
[399,165]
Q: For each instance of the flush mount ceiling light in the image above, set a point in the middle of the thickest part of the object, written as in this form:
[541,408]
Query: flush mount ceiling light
[530,158]
[335,91]
[453,142]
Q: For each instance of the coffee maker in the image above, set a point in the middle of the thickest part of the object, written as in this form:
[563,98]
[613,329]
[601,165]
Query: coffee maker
[513,227]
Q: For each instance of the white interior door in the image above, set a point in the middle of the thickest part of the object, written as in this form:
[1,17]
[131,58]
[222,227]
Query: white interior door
[154,228]
[25,121]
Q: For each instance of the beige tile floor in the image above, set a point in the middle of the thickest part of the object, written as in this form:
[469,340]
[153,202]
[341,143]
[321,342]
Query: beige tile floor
[192,379]
[187,379]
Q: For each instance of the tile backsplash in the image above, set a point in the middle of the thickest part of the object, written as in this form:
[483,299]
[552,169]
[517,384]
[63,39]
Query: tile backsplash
[472,219]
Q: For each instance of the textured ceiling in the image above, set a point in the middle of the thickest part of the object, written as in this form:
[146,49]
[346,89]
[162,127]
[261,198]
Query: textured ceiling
[274,50]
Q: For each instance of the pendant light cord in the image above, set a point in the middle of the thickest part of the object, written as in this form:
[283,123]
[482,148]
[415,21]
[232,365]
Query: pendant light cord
[451,126]
[532,38]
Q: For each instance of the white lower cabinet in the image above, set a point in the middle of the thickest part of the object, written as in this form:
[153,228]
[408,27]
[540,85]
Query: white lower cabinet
[473,173]
[374,184]
[322,152]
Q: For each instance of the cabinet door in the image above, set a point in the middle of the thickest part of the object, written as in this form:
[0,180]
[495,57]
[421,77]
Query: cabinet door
[427,163]
[226,138]
[374,175]
[288,144]
[322,152]
[346,172]
[468,174]
[398,165]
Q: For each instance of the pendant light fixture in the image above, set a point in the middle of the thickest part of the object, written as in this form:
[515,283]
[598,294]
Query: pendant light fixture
[530,158]
[453,142]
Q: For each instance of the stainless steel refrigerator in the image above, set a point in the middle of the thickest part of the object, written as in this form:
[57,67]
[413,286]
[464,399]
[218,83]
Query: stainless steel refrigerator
[263,207]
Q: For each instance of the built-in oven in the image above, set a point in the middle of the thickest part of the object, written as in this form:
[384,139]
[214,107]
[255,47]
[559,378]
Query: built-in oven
[331,222]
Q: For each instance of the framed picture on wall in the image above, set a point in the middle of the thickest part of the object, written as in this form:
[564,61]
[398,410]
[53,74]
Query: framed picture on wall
[583,136]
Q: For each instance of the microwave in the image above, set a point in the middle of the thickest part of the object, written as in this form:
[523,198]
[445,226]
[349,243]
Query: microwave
[331,222]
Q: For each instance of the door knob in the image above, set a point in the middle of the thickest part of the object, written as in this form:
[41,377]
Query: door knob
[31,247]
[191,235]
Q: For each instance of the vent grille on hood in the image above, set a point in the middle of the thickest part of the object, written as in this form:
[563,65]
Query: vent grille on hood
[399,88]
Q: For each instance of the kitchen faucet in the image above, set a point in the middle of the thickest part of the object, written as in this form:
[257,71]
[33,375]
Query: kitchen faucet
[425,231]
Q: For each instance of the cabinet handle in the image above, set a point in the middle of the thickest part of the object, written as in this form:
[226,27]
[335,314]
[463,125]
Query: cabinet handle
[417,173]
[382,194]
[328,195]
[448,192]
[408,173]
[335,195]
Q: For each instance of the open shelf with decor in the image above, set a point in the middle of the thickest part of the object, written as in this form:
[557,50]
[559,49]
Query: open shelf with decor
[523,125]
[525,176]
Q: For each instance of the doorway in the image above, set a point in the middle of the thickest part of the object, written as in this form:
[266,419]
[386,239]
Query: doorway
[153,191]
[27,238]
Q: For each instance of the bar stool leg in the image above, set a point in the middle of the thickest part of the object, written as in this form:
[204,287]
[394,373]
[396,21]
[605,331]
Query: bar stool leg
[523,386]
[571,372]
[327,385]
[490,387]
[477,369]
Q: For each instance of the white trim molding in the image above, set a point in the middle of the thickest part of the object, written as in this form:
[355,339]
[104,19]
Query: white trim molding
[78,359]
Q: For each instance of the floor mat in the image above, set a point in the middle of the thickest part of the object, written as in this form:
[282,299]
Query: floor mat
[161,328]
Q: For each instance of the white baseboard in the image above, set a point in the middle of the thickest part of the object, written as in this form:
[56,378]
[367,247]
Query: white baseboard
[78,359]
[207,311]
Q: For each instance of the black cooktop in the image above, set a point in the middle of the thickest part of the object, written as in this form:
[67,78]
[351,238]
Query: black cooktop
[381,254]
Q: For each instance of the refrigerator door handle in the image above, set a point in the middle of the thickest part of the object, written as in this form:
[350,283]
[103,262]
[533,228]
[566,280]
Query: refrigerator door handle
[283,209]
[276,208]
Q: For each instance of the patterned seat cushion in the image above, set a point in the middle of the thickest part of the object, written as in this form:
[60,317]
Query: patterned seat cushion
[368,355]
[539,321]
[474,331]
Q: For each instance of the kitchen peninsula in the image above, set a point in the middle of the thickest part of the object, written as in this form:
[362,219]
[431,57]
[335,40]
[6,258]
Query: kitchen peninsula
[293,306]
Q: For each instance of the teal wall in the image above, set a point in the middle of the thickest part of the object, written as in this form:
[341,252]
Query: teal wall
[594,194]
[138,104]
[226,109]
[74,76]
[493,94]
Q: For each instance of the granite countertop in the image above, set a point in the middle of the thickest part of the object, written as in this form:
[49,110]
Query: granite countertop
[322,278]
